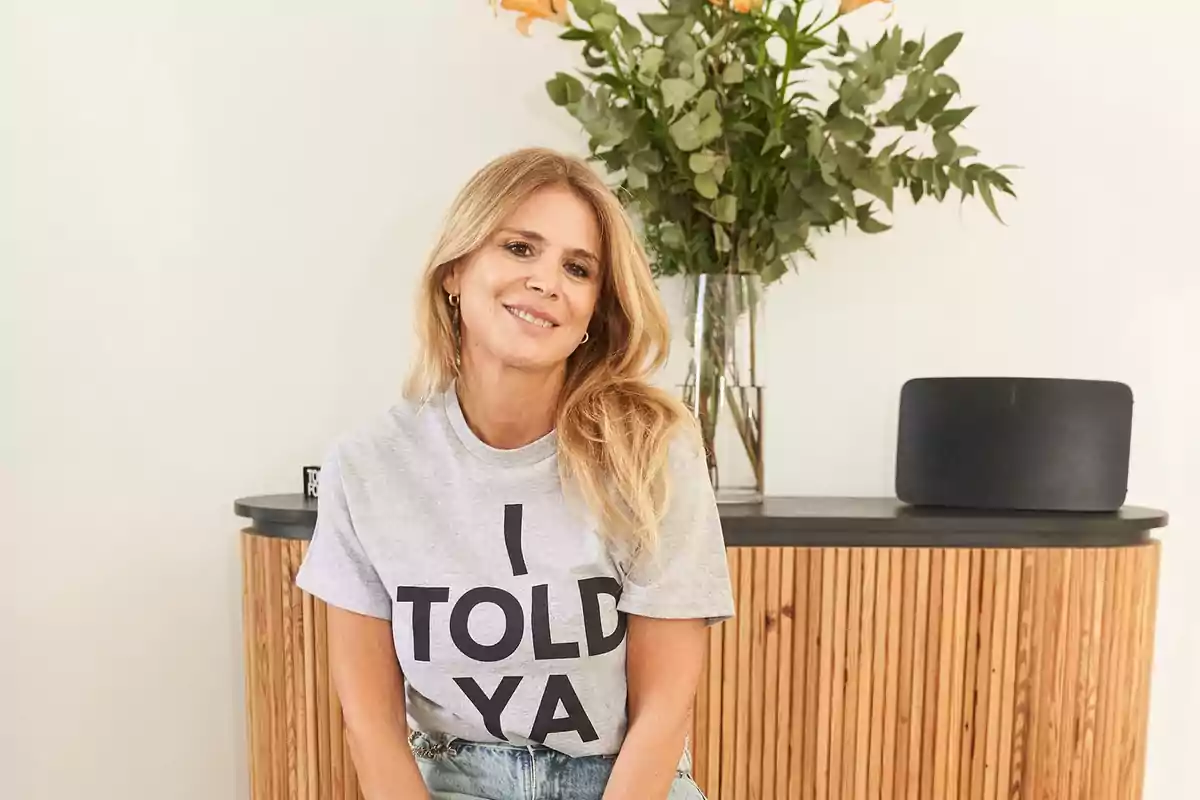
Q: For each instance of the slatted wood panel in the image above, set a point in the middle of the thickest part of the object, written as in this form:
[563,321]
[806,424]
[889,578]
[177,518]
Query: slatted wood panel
[849,674]
[298,749]
[949,674]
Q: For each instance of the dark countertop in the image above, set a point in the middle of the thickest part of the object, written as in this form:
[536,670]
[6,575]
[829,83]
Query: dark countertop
[833,522]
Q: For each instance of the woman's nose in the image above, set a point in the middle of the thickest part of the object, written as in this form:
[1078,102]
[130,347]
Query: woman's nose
[543,277]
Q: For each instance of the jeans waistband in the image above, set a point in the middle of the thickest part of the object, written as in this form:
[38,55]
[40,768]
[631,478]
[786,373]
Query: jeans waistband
[434,745]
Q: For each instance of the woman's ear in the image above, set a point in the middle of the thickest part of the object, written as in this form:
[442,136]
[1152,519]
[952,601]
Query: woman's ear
[451,279]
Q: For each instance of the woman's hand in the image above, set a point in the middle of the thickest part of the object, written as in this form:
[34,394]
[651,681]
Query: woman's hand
[371,690]
[664,658]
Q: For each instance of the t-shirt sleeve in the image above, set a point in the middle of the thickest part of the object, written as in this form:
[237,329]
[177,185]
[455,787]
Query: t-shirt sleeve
[336,568]
[686,576]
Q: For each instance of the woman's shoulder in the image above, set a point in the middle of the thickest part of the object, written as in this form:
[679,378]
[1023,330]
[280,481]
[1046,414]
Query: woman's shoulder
[403,429]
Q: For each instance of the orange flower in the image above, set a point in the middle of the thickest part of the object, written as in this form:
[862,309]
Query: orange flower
[854,5]
[549,10]
[741,6]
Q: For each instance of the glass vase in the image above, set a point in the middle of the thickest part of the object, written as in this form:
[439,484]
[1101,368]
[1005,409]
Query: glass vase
[723,316]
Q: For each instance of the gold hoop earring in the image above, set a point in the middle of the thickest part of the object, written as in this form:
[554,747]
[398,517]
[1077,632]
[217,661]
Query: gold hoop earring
[585,338]
[452,299]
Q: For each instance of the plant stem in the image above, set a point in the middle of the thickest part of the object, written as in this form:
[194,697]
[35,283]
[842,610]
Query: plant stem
[826,24]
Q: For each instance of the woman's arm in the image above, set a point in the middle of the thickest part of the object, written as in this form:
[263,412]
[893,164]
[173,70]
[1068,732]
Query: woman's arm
[371,690]
[664,658]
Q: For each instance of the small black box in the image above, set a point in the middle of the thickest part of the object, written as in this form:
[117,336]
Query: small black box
[312,482]
[1022,444]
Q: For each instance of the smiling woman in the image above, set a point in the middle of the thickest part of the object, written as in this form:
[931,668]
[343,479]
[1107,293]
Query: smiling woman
[546,282]
[521,560]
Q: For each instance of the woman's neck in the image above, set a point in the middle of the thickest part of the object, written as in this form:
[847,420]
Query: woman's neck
[508,408]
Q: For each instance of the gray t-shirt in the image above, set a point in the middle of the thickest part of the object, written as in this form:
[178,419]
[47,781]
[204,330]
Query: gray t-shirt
[507,608]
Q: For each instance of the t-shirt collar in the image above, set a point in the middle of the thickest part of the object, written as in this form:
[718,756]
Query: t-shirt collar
[537,450]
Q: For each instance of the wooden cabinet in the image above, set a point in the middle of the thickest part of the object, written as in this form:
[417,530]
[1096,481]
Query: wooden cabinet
[850,673]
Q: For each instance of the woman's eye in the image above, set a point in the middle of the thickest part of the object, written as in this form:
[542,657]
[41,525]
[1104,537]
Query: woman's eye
[578,270]
[518,249]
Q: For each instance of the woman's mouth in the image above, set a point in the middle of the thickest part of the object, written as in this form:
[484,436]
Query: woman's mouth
[530,316]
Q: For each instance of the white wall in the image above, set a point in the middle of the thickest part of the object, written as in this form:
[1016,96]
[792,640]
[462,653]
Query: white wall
[212,216]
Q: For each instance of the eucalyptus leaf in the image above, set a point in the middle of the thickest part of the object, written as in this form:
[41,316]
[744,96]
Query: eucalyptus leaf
[605,22]
[775,269]
[706,185]
[576,35]
[706,103]
[717,39]
[787,18]
[586,9]
[884,156]
[870,181]
[798,174]
[774,139]
[952,118]
[868,224]
[670,234]
[685,132]
[742,126]
[941,51]
[650,62]
[815,139]
[609,80]
[762,90]
[681,45]
[676,92]
[907,107]
[787,229]
[721,239]
[699,74]
[933,106]
[790,206]
[725,209]
[719,167]
[662,24]
[631,35]
[710,128]
[917,189]
[849,160]
[828,164]
[846,196]
[734,73]
[945,144]
[944,83]
[914,48]
[564,89]
[703,161]
[925,170]
[985,192]
[890,52]
[586,110]
[941,181]
[636,178]
[648,161]
[847,129]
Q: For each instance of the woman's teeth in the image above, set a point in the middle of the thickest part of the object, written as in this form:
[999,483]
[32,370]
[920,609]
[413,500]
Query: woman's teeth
[530,318]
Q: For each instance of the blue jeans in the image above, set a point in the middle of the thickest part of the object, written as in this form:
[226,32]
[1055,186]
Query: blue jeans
[455,769]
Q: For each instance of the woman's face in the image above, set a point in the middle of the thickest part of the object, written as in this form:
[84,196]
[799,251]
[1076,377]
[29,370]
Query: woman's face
[527,294]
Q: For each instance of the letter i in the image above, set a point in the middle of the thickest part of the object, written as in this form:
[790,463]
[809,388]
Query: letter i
[512,538]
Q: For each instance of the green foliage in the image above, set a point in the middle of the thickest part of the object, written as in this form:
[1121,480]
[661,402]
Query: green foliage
[725,151]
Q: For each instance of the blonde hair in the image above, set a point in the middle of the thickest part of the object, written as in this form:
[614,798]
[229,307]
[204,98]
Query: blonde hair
[614,429]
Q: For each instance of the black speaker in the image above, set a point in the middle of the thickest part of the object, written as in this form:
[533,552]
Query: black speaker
[1021,444]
